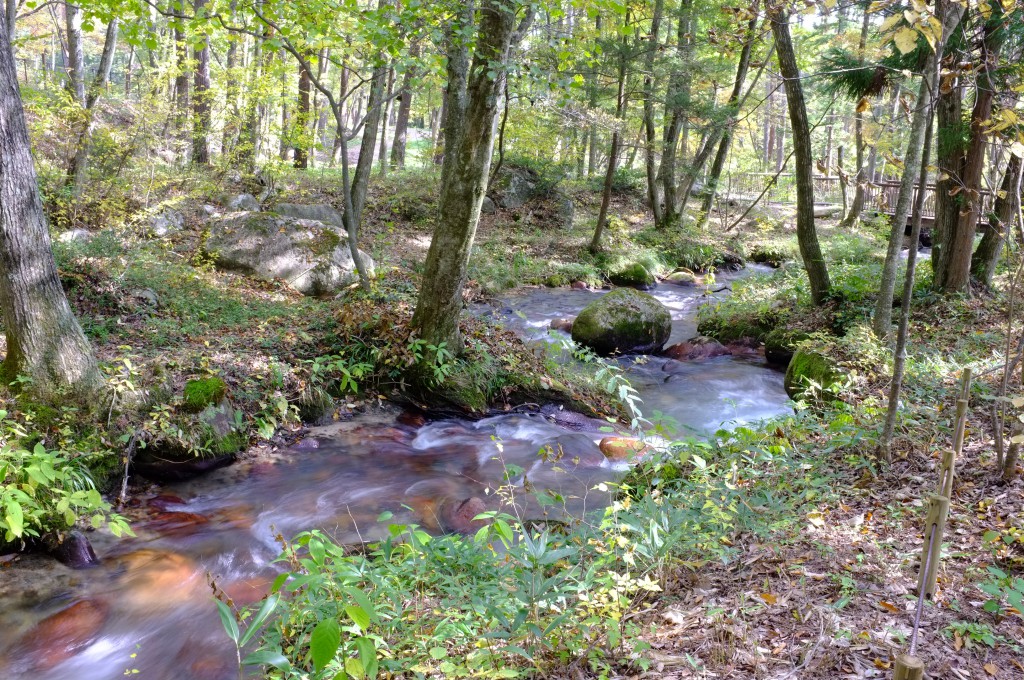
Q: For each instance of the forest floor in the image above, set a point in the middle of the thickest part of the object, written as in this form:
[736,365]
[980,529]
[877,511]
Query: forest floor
[829,593]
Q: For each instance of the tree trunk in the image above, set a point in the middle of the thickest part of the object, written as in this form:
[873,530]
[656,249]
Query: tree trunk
[371,123]
[675,112]
[653,46]
[76,57]
[732,111]
[860,191]
[613,153]
[79,165]
[382,155]
[986,257]
[807,235]
[404,109]
[44,341]
[949,15]
[201,109]
[11,10]
[181,81]
[229,135]
[469,137]
[301,126]
[954,274]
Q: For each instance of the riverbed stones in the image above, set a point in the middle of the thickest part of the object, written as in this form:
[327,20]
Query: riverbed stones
[60,636]
[625,321]
[563,324]
[697,348]
[620,449]
[309,256]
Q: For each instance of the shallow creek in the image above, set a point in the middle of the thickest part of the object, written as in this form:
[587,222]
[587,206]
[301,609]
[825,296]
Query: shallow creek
[148,606]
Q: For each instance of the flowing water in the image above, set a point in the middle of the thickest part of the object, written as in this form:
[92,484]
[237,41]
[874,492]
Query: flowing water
[148,605]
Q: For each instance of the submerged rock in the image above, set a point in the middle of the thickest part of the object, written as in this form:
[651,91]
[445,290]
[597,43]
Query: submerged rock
[563,324]
[625,321]
[61,636]
[309,256]
[457,515]
[697,348]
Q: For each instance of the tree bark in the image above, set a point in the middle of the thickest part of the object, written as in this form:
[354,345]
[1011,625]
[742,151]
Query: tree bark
[949,15]
[986,257]
[469,138]
[613,153]
[79,165]
[201,109]
[653,46]
[301,126]
[76,56]
[181,81]
[368,145]
[382,155]
[954,273]
[807,235]
[732,111]
[44,341]
[860,191]
[675,112]
[404,109]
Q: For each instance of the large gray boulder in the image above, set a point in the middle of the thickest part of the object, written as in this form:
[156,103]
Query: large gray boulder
[625,321]
[320,212]
[310,256]
[243,202]
[516,187]
[165,222]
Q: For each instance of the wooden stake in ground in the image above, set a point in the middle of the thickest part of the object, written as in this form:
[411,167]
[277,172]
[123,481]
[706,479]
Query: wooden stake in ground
[908,668]
[934,527]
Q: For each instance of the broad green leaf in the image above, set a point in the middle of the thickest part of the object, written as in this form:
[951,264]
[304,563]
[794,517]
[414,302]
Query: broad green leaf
[227,619]
[359,615]
[261,617]
[324,643]
[266,657]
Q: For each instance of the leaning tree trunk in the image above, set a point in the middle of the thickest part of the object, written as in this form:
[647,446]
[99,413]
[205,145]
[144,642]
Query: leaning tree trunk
[986,257]
[44,341]
[613,153]
[732,110]
[675,113]
[949,15]
[201,109]
[807,235]
[469,141]
[300,150]
[368,144]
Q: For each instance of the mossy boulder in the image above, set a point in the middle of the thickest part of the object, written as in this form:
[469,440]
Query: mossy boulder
[809,367]
[771,255]
[781,344]
[203,392]
[213,441]
[735,327]
[625,321]
[635,276]
[309,256]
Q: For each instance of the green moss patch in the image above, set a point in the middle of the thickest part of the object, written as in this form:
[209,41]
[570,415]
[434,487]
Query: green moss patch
[203,392]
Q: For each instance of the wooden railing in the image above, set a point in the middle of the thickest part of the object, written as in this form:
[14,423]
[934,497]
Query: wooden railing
[881,196]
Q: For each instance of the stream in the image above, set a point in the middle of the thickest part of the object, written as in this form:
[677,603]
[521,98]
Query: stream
[148,608]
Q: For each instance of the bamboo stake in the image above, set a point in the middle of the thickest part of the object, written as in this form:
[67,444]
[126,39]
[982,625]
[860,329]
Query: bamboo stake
[908,668]
[934,527]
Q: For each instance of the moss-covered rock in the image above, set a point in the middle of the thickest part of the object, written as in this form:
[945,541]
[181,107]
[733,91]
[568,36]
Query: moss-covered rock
[625,321]
[771,255]
[807,368]
[635,276]
[213,440]
[202,393]
[780,345]
[734,328]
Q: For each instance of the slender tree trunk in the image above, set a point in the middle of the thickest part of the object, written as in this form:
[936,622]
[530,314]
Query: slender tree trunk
[181,81]
[469,136]
[949,15]
[232,114]
[404,109]
[807,235]
[201,105]
[79,164]
[44,341]
[75,63]
[851,216]
[986,257]
[653,46]
[11,10]
[301,145]
[368,145]
[900,354]
[732,111]
[613,154]
[675,113]
[382,155]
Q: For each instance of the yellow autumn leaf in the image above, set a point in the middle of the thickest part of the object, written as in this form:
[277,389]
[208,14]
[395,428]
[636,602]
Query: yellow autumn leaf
[863,105]
[889,23]
[769,598]
[991,669]
[906,40]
